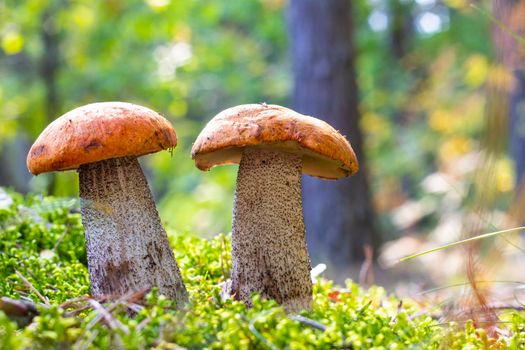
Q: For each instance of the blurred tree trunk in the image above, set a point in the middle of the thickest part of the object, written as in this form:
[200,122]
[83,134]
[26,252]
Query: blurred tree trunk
[13,152]
[14,172]
[339,215]
[401,27]
[510,97]
[517,125]
[49,65]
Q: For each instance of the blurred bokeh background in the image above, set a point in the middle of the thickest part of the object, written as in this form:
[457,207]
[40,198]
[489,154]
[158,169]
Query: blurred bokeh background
[433,87]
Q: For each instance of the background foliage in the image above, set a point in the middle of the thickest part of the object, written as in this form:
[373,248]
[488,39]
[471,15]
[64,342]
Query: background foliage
[424,68]
[422,95]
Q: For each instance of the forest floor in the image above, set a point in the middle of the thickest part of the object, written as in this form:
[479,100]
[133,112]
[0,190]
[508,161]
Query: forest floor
[43,265]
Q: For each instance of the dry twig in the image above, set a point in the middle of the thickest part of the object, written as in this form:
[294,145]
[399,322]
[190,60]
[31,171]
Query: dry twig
[27,283]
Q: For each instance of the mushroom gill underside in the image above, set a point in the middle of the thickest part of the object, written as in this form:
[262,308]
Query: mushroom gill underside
[127,246]
[269,253]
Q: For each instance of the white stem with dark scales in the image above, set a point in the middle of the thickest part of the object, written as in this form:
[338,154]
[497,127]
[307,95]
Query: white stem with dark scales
[269,254]
[127,247]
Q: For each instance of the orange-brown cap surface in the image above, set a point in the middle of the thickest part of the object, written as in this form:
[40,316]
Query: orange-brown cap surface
[326,153]
[99,131]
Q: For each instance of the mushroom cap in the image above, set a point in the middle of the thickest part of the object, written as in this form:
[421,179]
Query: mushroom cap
[326,153]
[99,131]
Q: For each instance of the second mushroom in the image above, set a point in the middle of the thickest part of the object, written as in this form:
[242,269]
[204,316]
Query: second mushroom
[274,146]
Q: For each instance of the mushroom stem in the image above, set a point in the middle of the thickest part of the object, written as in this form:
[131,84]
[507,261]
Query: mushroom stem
[127,247]
[269,254]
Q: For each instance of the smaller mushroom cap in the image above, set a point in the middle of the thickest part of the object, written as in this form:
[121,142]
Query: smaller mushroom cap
[326,153]
[99,131]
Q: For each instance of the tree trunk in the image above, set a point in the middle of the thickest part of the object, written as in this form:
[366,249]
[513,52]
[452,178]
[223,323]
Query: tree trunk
[401,27]
[517,125]
[49,65]
[338,214]
[509,53]
[13,171]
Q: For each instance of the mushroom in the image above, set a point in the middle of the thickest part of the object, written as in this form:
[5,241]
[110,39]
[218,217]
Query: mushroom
[127,246]
[274,146]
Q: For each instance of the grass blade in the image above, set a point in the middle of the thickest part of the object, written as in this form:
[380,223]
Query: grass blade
[453,244]
[500,24]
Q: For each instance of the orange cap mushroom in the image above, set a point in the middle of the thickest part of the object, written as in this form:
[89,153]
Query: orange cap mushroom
[325,152]
[99,131]
[274,145]
[127,247]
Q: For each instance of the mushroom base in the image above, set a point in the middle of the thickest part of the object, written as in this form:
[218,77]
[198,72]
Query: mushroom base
[269,254]
[127,247]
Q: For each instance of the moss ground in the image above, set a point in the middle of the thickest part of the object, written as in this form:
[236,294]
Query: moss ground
[42,252]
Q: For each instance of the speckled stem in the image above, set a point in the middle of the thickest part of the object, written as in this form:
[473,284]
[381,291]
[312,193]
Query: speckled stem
[269,254]
[127,247]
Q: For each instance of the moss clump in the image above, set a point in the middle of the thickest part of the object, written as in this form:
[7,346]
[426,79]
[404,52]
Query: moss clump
[41,240]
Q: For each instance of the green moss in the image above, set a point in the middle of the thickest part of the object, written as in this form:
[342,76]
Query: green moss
[42,240]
